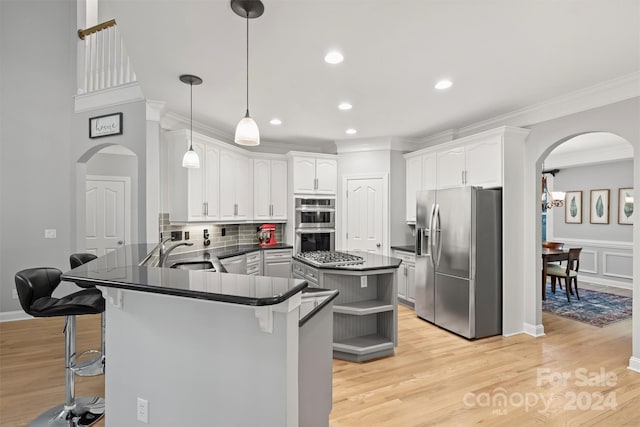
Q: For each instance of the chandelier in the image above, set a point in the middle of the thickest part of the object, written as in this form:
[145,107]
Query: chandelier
[551,199]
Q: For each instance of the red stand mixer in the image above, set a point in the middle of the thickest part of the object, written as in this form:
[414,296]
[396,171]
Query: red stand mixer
[267,235]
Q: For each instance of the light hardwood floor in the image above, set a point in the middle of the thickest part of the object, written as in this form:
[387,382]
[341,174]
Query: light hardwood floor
[435,378]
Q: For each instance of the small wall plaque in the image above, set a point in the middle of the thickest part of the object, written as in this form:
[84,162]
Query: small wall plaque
[107,125]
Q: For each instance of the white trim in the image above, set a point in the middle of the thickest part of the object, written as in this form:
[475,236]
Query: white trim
[533,330]
[110,97]
[604,265]
[386,245]
[10,316]
[634,364]
[598,95]
[154,110]
[595,262]
[588,157]
[606,282]
[127,202]
[609,244]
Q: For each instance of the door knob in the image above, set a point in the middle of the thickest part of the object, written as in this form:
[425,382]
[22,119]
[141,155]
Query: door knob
[377,245]
[120,242]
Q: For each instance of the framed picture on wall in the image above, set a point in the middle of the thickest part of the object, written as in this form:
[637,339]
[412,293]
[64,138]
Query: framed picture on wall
[625,206]
[599,207]
[573,207]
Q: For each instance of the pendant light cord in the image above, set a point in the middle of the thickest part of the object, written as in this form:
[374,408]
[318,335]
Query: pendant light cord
[191,115]
[247,63]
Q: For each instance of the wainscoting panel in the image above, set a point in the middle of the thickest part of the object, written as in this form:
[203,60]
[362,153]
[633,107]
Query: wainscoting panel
[608,263]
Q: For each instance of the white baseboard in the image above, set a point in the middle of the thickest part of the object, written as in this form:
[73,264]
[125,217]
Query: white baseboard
[10,316]
[534,330]
[606,282]
[634,364]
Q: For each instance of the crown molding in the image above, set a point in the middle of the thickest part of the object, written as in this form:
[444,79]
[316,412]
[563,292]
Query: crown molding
[110,97]
[605,93]
[387,143]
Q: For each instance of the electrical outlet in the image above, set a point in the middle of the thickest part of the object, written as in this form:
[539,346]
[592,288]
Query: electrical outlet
[363,281]
[223,231]
[186,235]
[50,233]
[14,293]
[176,235]
[143,410]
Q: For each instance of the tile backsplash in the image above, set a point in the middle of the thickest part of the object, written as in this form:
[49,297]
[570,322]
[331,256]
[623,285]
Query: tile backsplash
[235,234]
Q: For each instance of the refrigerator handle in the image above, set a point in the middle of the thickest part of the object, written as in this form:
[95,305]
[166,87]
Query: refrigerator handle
[435,235]
[438,234]
[418,241]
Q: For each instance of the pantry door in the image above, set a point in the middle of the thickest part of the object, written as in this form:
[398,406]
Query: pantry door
[107,213]
[366,214]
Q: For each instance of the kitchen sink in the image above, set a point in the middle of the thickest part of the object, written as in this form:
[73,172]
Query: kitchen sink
[194,265]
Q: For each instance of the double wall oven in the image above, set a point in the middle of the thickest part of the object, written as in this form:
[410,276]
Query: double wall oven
[315,224]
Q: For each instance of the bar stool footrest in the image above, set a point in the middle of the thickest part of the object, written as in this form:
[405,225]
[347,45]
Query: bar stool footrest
[88,411]
[90,367]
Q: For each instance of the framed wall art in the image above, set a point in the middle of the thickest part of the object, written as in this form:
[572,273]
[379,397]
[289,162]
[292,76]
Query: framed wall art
[599,212]
[573,207]
[107,125]
[625,206]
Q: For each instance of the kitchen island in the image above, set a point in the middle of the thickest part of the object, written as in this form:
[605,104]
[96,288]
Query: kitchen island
[205,348]
[365,313]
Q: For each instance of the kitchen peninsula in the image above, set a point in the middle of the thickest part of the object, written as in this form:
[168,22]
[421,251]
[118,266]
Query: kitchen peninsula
[365,313]
[205,348]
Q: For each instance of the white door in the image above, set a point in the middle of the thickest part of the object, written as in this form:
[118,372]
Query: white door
[484,163]
[304,174]
[450,168]
[365,215]
[261,189]
[326,176]
[279,189]
[107,214]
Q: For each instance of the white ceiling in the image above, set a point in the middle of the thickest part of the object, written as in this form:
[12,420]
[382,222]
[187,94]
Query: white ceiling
[502,55]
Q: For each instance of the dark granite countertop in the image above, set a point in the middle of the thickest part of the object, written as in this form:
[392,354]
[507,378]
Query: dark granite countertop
[231,251]
[122,269]
[406,248]
[371,262]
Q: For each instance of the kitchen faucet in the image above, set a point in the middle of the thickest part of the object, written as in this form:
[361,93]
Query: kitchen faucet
[164,252]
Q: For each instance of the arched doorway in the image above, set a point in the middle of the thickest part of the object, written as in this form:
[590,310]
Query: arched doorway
[620,119]
[598,163]
[107,188]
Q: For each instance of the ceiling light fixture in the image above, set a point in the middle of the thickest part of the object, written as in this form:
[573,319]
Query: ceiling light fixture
[276,122]
[443,84]
[345,106]
[190,159]
[247,132]
[351,131]
[333,57]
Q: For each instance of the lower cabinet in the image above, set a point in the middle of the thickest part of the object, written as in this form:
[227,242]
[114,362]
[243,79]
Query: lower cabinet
[254,263]
[406,277]
[277,262]
[236,264]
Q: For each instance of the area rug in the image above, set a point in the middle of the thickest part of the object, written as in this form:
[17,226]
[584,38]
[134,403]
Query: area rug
[595,308]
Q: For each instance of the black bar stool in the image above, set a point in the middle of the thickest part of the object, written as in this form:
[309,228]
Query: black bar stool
[76,260]
[35,287]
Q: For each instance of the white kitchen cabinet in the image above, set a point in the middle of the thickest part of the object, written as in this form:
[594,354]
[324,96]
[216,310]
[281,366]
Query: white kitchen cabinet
[193,193]
[277,262]
[429,171]
[315,175]
[254,263]
[269,190]
[236,187]
[484,163]
[414,179]
[406,276]
[236,264]
[451,167]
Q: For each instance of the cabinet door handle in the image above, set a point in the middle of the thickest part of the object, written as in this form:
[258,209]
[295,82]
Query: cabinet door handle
[235,209]
[206,208]
[463,177]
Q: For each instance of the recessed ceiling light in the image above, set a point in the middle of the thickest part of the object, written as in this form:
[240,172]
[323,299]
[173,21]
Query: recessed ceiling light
[345,106]
[333,57]
[275,122]
[443,84]
[351,131]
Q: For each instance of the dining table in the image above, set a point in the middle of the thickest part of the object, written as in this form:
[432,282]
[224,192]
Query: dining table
[551,255]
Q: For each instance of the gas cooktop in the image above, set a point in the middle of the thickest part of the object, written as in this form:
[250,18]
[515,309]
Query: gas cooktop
[331,258]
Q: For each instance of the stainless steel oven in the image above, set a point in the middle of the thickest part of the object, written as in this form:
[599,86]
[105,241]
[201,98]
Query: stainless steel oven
[315,213]
[315,240]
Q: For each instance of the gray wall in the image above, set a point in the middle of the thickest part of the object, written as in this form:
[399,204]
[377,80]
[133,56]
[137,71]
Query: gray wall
[36,103]
[592,177]
[38,124]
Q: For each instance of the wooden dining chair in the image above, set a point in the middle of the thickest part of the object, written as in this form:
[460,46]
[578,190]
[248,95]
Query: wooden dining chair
[553,245]
[569,273]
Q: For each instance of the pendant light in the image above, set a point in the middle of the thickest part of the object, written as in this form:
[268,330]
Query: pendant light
[247,132]
[190,159]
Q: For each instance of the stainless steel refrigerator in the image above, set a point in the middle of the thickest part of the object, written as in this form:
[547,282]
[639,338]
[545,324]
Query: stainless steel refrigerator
[459,260]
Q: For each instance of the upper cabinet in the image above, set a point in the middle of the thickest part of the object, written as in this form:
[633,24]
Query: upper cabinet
[475,161]
[193,193]
[236,187]
[315,175]
[269,190]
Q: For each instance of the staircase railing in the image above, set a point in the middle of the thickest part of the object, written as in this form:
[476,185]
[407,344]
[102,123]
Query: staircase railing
[106,62]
